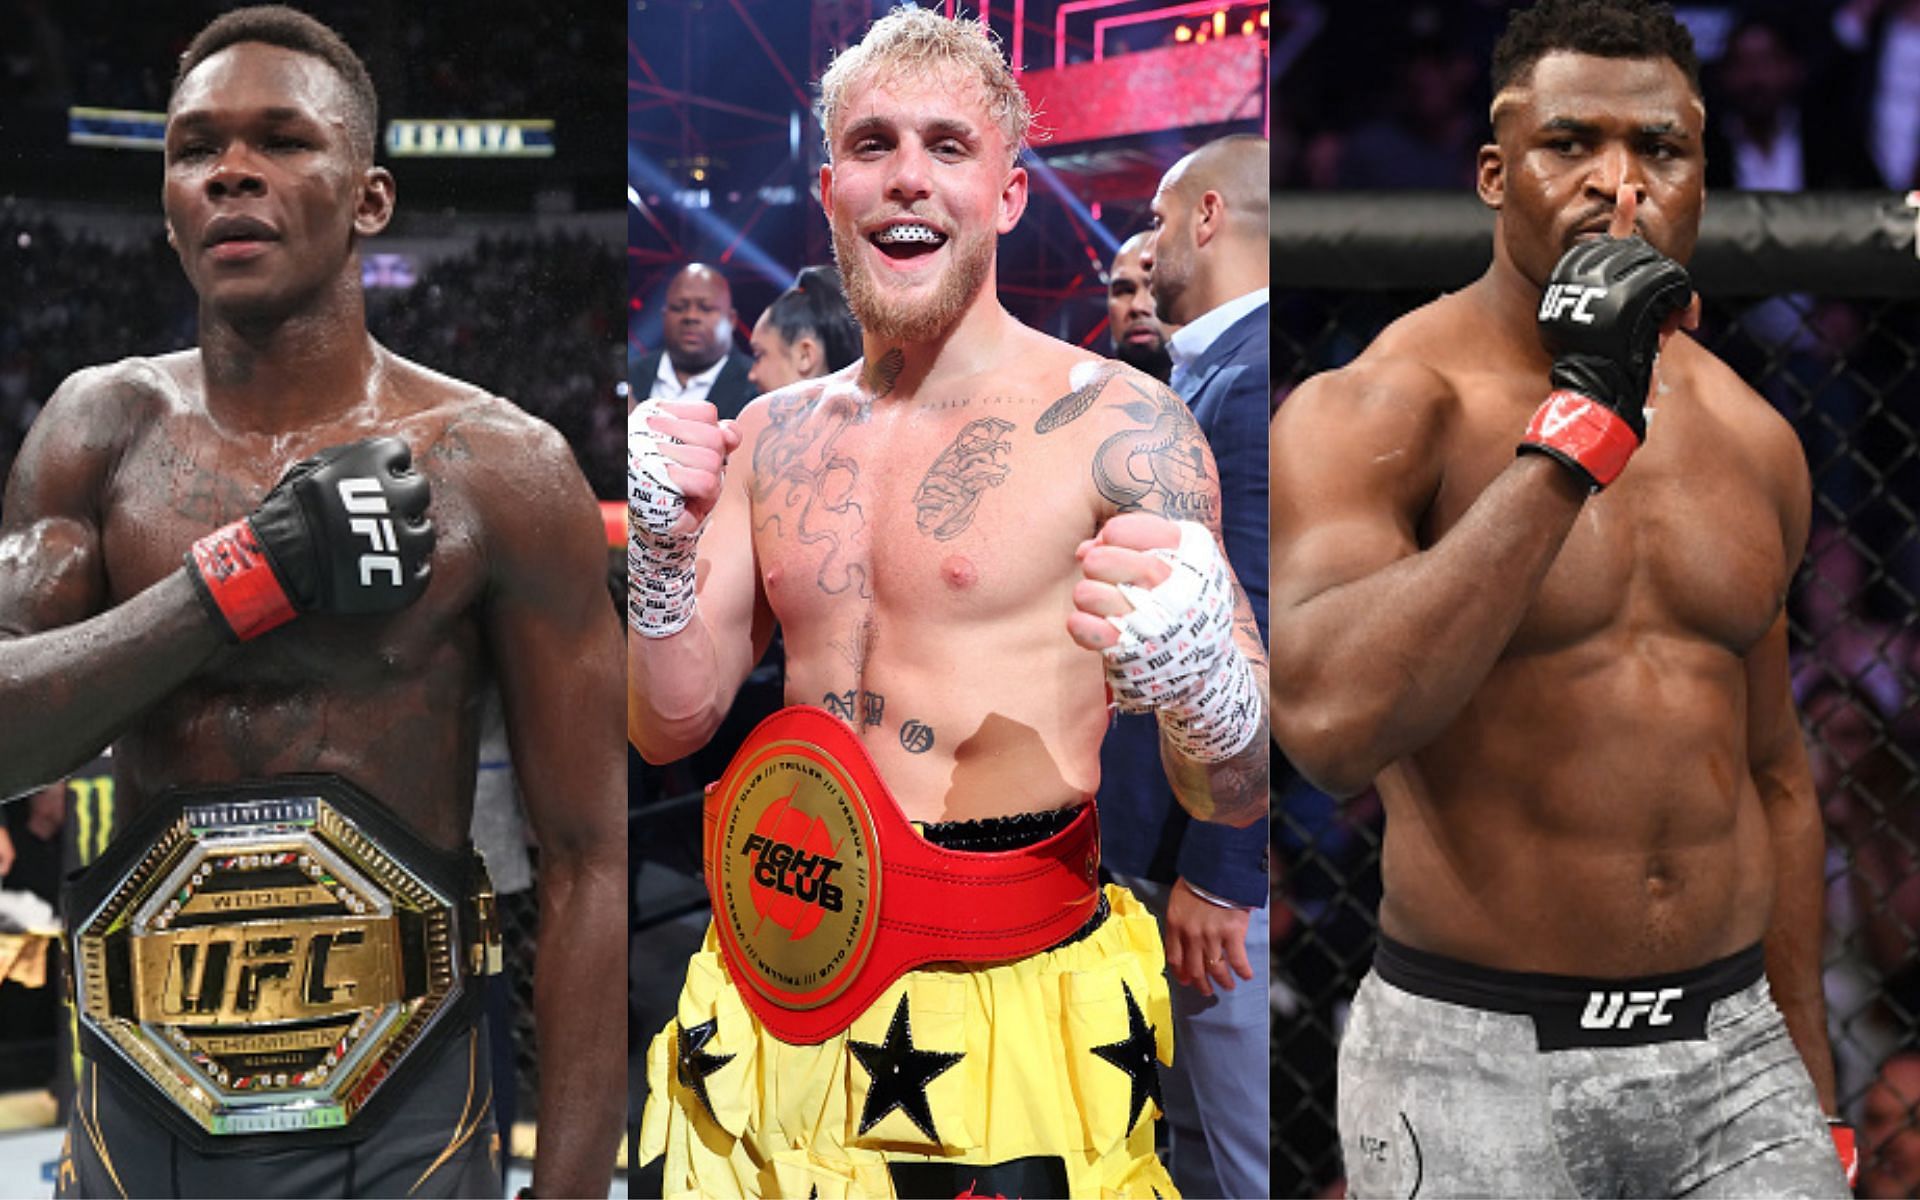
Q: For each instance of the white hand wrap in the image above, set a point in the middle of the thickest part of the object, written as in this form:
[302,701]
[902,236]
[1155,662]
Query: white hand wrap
[1177,657]
[660,578]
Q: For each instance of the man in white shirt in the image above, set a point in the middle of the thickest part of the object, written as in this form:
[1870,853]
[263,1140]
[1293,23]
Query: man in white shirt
[699,361]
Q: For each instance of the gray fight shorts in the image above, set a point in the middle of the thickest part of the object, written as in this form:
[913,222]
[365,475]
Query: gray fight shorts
[1457,1080]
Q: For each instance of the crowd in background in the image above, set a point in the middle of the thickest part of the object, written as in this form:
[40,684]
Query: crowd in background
[1835,79]
[536,319]
[502,60]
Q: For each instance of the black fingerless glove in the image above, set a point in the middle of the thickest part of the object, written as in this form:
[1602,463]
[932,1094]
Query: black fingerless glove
[1600,318]
[343,532]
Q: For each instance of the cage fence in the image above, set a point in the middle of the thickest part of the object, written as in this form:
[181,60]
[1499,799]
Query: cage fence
[1815,300]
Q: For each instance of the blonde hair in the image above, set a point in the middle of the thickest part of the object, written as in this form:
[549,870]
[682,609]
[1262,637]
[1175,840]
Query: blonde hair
[912,39]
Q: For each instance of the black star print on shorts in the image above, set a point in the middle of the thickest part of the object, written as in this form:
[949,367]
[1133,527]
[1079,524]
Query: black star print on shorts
[898,1074]
[695,1064]
[1135,1056]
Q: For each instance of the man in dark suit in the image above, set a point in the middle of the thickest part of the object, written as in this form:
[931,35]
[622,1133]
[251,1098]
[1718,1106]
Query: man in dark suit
[699,362]
[1207,267]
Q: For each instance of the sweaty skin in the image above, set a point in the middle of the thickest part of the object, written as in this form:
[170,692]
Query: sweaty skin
[128,459]
[931,526]
[1575,709]
[919,552]
[103,640]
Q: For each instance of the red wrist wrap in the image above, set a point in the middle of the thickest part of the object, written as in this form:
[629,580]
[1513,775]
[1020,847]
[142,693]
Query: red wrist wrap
[1846,1148]
[238,578]
[1589,433]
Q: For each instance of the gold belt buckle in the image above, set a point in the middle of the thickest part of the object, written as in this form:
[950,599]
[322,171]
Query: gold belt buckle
[267,960]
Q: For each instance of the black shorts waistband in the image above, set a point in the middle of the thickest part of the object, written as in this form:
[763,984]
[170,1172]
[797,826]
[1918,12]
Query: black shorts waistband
[1571,1011]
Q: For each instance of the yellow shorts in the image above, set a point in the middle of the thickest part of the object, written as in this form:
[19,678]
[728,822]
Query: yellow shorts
[1030,1078]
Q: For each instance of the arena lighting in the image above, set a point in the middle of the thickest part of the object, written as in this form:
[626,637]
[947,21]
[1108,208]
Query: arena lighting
[1048,176]
[417,138]
[1182,34]
[116,128]
[131,129]
[1212,12]
[1216,9]
[651,177]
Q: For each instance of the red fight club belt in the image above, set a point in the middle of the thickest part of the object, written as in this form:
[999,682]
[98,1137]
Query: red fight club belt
[823,894]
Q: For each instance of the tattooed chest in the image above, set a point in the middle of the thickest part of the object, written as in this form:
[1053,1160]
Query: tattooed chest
[166,496]
[942,525]
[180,481]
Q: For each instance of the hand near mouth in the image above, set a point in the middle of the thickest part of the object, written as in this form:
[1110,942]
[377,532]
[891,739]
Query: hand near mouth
[1626,205]
[1626,202]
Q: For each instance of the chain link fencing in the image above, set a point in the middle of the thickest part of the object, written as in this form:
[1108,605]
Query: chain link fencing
[1815,301]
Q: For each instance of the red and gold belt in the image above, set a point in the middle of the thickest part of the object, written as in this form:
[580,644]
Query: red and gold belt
[823,893]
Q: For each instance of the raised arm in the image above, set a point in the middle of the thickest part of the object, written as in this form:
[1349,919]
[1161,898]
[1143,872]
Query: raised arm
[683,671]
[555,643]
[72,673]
[1378,643]
[1211,702]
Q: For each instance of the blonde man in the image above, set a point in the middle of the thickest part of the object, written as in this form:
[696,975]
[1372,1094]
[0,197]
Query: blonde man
[913,982]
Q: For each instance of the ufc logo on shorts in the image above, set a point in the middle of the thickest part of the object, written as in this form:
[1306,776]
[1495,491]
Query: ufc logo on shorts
[1618,1010]
[367,505]
[1576,296]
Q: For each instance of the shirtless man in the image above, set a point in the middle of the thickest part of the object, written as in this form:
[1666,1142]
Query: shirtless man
[297,669]
[937,530]
[1570,689]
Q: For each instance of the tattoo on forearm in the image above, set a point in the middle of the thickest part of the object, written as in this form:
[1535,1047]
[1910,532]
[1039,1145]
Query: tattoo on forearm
[1234,791]
[916,737]
[975,461]
[1162,467]
[798,477]
[1071,406]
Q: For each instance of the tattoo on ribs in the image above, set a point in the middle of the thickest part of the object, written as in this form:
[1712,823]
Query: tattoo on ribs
[801,480]
[976,461]
[1074,404]
[1161,467]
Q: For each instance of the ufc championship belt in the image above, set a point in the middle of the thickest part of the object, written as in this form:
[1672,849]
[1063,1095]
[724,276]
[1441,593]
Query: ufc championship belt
[823,893]
[269,958]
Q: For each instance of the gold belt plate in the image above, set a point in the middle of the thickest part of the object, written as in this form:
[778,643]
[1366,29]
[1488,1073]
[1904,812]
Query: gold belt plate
[266,963]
